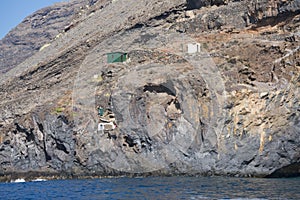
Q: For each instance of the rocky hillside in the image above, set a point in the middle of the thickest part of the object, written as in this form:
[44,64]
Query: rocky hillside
[38,30]
[207,88]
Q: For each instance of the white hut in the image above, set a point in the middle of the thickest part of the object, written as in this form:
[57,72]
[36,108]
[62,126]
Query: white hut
[193,48]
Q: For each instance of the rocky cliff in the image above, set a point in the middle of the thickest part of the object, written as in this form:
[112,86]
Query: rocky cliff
[208,88]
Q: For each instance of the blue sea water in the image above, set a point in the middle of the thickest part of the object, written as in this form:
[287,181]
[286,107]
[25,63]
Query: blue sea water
[155,188]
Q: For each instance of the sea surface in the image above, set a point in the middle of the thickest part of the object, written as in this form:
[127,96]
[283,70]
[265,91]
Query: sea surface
[155,188]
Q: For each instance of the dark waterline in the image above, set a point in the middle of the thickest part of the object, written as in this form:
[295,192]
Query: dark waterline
[155,188]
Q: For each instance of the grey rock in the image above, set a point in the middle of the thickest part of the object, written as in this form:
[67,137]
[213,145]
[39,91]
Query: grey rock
[233,110]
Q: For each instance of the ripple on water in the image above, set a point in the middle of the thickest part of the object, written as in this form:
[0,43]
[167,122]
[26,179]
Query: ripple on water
[156,188]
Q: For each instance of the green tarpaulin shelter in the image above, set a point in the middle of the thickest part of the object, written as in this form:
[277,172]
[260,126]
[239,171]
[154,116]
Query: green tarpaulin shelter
[116,57]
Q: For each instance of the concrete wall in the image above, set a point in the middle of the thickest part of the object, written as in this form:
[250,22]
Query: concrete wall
[193,48]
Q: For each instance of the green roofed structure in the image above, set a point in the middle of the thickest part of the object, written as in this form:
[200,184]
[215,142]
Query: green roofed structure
[116,57]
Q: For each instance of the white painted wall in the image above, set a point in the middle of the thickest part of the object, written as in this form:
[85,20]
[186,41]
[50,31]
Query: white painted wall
[194,48]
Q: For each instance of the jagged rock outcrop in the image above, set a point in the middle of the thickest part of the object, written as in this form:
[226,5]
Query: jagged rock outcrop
[267,9]
[230,109]
[195,4]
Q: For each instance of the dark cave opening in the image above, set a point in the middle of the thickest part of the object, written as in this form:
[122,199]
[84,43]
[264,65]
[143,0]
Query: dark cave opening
[161,88]
[292,170]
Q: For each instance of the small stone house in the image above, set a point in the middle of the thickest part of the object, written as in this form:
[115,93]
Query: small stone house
[104,126]
[114,57]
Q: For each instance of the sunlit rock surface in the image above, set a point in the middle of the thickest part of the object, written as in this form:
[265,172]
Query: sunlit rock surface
[230,108]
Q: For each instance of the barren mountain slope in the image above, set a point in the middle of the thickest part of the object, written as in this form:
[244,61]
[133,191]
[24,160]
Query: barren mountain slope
[37,30]
[230,109]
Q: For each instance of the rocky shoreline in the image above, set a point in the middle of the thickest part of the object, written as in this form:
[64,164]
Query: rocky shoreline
[29,176]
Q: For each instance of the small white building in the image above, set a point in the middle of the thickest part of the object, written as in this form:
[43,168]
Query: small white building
[193,48]
[106,126]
